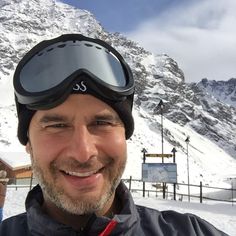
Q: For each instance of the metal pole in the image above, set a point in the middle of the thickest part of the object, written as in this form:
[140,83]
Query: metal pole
[162,148]
[174,151]
[232,192]
[161,106]
[130,181]
[188,176]
[162,141]
[187,142]
[200,191]
[144,160]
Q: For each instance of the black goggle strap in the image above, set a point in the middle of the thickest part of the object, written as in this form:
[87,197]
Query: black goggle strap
[41,48]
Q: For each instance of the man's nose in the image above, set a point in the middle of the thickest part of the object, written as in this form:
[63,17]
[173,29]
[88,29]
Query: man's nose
[82,144]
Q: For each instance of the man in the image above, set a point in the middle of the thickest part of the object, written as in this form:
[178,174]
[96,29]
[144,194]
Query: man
[2,199]
[3,189]
[74,97]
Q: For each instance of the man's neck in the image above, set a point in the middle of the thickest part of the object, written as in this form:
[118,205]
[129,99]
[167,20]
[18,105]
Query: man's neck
[78,222]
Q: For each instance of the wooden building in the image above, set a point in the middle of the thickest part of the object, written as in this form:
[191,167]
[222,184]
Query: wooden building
[16,164]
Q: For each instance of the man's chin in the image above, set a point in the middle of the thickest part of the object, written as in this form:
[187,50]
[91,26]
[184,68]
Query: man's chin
[80,203]
[83,205]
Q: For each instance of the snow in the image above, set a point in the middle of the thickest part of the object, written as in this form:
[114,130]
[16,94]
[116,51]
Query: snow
[222,216]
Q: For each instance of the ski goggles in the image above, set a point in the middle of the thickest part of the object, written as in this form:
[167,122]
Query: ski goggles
[49,71]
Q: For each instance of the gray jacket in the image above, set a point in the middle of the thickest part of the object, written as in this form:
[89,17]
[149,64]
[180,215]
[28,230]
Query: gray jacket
[133,220]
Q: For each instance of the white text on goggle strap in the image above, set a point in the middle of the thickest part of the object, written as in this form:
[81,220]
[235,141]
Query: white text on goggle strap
[80,87]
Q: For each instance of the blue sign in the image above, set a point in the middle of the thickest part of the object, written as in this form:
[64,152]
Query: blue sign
[159,172]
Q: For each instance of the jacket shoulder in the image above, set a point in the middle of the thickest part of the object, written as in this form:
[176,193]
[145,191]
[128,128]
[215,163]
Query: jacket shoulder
[172,222]
[14,226]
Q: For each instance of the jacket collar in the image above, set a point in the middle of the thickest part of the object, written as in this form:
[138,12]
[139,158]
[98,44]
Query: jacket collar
[38,221]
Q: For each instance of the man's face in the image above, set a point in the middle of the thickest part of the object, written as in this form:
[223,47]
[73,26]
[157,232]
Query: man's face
[78,152]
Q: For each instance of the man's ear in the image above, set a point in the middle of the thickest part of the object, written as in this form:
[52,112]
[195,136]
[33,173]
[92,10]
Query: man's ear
[28,148]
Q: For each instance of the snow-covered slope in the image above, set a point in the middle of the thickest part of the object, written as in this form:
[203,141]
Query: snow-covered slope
[189,110]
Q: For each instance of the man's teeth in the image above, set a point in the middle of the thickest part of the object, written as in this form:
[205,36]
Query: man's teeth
[78,174]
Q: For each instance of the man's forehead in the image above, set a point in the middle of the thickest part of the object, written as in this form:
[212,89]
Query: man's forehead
[78,106]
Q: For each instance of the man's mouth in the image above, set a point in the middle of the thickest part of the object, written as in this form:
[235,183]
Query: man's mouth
[83,179]
[82,174]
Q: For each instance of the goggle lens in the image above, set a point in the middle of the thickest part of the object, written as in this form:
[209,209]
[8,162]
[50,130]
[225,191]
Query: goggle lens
[50,67]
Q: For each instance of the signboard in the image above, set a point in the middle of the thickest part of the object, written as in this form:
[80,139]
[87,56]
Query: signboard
[159,172]
[158,155]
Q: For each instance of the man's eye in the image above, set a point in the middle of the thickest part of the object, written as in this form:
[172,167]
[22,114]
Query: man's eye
[57,125]
[103,123]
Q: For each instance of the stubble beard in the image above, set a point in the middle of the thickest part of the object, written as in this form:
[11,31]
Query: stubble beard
[58,196]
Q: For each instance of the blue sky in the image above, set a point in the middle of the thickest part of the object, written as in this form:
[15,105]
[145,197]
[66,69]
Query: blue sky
[199,34]
[122,15]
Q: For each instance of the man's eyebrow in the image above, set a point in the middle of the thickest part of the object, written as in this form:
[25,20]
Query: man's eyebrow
[52,118]
[61,118]
[107,117]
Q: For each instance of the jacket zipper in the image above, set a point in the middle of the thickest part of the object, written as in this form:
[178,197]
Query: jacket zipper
[107,231]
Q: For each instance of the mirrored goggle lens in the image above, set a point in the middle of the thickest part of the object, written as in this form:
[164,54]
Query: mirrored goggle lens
[57,62]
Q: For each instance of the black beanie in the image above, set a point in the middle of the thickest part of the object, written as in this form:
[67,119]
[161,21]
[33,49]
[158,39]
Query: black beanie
[123,109]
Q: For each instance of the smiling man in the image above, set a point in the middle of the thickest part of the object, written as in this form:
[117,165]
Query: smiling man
[78,154]
[74,97]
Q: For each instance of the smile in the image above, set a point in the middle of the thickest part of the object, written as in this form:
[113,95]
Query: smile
[81,174]
[83,180]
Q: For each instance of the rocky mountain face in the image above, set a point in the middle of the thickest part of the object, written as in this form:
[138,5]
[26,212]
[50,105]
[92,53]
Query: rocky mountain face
[201,106]
[224,91]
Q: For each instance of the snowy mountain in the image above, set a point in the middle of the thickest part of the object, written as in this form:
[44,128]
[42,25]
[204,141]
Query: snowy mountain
[224,91]
[199,110]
